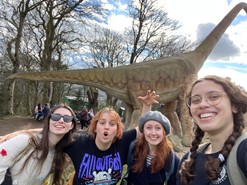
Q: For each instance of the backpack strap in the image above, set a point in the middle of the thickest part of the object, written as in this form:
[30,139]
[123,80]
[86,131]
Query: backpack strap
[202,147]
[130,151]
[235,174]
[129,159]
[171,170]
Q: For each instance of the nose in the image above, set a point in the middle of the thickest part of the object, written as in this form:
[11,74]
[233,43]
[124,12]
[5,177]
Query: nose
[203,103]
[153,131]
[107,125]
[61,119]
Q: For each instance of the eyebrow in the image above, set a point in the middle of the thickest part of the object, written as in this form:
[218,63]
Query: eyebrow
[209,92]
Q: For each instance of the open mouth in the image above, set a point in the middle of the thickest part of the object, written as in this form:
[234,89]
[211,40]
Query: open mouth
[106,134]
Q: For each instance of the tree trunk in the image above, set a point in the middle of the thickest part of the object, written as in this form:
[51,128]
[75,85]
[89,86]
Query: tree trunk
[11,90]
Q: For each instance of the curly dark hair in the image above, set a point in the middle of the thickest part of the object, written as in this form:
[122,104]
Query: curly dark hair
[238,99]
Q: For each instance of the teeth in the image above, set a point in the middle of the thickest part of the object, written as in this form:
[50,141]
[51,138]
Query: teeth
[59,126]
[205,115]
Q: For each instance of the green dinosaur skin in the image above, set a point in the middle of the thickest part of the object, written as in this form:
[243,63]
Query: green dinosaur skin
[170,77]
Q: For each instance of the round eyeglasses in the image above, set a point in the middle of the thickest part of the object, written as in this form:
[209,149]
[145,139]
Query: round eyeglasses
[66,118]
[212,98]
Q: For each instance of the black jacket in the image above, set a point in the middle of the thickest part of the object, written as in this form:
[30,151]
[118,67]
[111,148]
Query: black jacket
[159,178]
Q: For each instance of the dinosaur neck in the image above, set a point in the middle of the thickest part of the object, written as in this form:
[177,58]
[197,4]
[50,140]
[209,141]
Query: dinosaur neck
[210,41]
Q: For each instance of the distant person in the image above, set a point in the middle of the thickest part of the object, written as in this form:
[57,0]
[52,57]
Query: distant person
[44,112]
[84,117]
[30,156]
[90,115]
[37,110]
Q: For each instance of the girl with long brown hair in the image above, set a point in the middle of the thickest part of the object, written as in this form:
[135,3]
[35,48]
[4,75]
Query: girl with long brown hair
[153,155]
[29,156]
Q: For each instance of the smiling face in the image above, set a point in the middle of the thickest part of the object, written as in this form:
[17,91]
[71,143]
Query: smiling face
[153,132]
[212,118]
[57,125]
[106,130]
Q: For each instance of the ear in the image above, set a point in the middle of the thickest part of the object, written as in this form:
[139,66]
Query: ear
[72,125]
[234,109]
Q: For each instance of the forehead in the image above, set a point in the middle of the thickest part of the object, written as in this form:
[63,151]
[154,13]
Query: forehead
[63,111]
[105,115]
[205,87]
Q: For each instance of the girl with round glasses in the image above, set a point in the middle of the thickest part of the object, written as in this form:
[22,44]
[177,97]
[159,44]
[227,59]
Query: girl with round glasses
[28,157]
[217,107]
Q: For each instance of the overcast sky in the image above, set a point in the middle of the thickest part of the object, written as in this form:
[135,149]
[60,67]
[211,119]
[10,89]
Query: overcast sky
[199,17]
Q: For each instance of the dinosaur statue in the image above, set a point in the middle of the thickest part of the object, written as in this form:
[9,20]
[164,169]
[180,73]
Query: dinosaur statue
[170,77]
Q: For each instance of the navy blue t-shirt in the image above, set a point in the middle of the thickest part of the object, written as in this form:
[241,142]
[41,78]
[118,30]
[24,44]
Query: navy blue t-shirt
[200,172]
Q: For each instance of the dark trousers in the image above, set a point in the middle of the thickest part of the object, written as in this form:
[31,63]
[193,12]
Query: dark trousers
[84,123]
[7,180]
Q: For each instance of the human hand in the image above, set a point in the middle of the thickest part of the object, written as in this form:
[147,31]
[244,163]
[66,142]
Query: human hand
[150,98]
[9,136]
[13,134]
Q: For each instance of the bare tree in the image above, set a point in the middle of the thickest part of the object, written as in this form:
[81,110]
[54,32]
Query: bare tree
[14,16]
[106,47]
[107,50]
[53,30]
[56,20]
[151,32]
[50,26]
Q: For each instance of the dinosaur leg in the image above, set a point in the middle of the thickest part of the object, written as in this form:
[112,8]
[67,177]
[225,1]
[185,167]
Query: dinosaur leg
[135,117]
[170,112]
[185,117]
[186,121]
[136,109]
[128,116]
